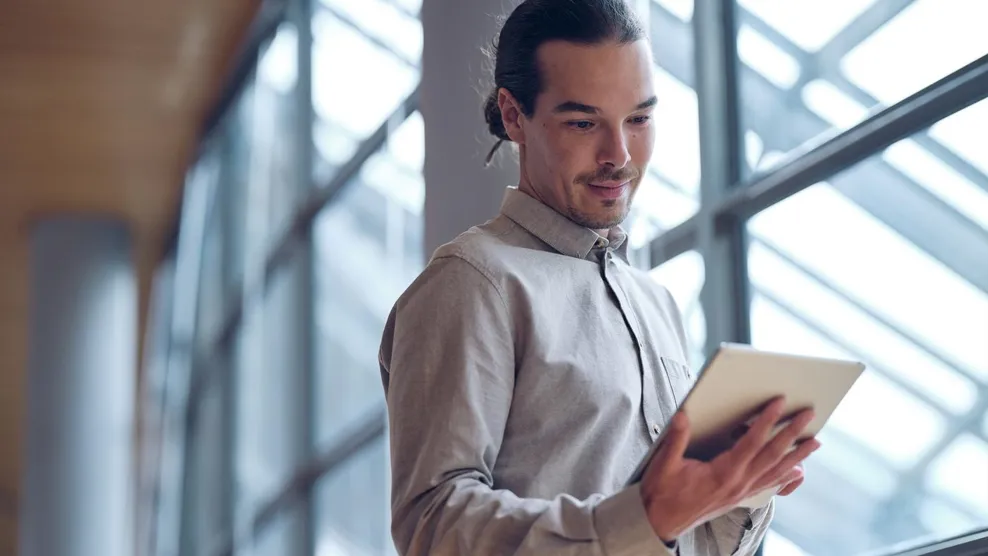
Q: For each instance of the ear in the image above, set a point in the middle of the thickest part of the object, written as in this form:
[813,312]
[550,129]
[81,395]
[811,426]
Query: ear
[511,115]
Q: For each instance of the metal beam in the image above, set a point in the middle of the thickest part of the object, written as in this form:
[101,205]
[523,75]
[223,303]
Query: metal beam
[859,29]
[817,162]
[973,544]
[724,295]
[345,20]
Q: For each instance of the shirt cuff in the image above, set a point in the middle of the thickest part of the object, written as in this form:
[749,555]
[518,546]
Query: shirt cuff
[624,529]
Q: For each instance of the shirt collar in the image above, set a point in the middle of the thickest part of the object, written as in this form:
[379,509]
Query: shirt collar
[561,233]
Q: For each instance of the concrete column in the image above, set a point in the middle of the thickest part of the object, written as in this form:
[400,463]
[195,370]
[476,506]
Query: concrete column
[459,191]
[76,486]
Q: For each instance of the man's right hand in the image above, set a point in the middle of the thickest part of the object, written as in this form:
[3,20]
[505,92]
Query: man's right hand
[680,493]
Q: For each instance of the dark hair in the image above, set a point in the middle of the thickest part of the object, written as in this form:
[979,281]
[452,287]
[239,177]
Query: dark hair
[535,22]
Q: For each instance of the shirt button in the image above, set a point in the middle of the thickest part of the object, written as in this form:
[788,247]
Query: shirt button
[655,429]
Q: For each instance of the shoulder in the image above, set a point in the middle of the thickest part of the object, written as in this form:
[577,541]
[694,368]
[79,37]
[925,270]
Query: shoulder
[488,248]
[467,268]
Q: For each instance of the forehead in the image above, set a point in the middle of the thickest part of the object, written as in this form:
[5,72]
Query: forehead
[608,75]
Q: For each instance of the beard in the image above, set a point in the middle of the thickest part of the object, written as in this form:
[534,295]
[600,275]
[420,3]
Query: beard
[615,211]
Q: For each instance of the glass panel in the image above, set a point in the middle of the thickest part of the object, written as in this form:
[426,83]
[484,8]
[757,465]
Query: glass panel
[270,421]
[683,277]
[208,522]
[368,248]
[777,545]
[808,23]
[766,58]
[964,133]
[810,66]
[683,9]
[940,179]
[348,38]
[384,21]
[352,505]
[959,474]
[830,278]
[284,535]
[894,62]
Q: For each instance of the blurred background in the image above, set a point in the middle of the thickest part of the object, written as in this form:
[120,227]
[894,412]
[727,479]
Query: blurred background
[207,209]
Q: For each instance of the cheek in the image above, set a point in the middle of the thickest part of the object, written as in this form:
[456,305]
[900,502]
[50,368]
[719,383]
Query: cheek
[641,144]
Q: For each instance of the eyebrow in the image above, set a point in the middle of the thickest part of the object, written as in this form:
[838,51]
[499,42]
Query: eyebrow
[573,106]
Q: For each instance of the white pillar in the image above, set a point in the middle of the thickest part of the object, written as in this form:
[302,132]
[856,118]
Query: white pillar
[76,486]
[459,191]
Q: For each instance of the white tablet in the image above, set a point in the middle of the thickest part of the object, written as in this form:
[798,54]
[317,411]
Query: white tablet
[738,380]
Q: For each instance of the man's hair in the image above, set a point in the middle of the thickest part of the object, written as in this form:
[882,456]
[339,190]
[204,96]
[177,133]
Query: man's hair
[535,22]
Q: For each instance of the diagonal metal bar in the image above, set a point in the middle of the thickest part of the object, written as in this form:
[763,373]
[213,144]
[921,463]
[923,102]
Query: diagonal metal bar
[879,13]
[345,20]
[819,161]
[861,306]
[972,544]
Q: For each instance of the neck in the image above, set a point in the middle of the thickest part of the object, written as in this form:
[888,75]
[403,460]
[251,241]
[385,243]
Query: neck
[526,187]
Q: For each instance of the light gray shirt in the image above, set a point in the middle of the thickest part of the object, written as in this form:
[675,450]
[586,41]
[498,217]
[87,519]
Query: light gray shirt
[527,371]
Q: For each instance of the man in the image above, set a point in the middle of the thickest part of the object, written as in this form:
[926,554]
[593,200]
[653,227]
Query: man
[529,368]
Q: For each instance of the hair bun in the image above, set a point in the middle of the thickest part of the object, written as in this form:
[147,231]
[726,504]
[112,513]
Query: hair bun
[492,115]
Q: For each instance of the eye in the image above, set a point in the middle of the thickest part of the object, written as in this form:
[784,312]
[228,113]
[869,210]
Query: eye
[582,125]
[640,120]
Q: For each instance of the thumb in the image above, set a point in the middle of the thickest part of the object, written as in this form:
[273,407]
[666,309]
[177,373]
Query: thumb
[673,446]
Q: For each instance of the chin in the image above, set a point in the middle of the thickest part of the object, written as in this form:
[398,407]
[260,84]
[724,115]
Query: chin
[599,219]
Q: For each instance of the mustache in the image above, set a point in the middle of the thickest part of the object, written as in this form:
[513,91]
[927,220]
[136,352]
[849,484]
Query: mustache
[607,174]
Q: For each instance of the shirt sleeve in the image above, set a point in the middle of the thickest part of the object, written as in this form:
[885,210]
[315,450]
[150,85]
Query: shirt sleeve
[448,366]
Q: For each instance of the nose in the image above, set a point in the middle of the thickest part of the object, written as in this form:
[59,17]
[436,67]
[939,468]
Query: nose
[614,150]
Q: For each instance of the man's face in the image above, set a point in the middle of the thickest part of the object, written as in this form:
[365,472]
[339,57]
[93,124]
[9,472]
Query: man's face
[590,138]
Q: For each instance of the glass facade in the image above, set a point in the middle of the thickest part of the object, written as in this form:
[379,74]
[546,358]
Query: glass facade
[263,425]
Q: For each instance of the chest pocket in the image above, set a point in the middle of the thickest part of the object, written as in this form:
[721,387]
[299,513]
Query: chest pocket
[680,378]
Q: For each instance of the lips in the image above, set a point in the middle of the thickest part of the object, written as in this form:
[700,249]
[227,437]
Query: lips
[609,184]
[609,189]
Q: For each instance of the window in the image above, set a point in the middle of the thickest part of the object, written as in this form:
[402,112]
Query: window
[809,66]
[353,505]
[349,38]
[902,458]
[368,248]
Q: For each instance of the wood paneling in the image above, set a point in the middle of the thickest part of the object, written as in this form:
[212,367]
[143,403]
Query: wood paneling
[101,103]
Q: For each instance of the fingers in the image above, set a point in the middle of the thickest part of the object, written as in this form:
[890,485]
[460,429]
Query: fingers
[674,444]
[748,447]
[776,448]
[780,472]
[792,486]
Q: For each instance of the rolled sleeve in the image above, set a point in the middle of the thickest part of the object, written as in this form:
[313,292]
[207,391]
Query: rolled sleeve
[624,528]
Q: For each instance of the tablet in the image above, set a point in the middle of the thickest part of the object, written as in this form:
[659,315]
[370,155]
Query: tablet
[737,381]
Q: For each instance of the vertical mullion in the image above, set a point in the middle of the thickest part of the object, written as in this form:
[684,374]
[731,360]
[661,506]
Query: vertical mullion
[721,239]
[301,14]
